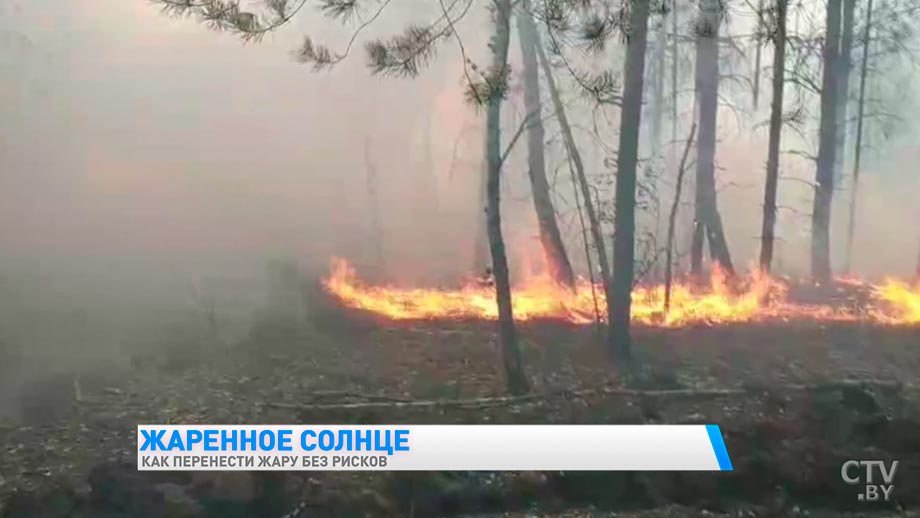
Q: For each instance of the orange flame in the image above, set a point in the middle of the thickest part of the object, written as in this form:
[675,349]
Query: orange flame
[902,301]
[755,298]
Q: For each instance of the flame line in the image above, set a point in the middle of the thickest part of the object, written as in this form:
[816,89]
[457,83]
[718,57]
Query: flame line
[754,298]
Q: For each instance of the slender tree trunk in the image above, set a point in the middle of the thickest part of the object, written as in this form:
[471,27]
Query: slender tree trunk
[657,112]
[675,95]
[708,220]
[857,154]
[580,183]
[568,139]
[511,355]
[557,261]
[657,155]
[672,219]
[624,240]
[587,242]
[827,147]
[767,233]
[757,58]
[844,64]
[675,61]
[481,259]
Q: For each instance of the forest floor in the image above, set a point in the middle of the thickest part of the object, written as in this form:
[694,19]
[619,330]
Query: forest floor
[794,400]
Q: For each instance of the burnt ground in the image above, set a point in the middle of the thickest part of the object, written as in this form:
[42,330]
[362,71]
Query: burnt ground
[805,398]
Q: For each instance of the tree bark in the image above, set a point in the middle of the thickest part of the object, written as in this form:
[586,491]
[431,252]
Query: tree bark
[844,65]
[568,139]
[557,261]
[767,233]
[857,153]
[511,354]
[708,222]
[620,304]
[827,147]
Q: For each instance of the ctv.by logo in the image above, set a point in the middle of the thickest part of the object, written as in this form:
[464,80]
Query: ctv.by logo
[852,470]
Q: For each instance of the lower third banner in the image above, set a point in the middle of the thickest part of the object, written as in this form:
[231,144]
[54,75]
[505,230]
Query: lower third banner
[432,448]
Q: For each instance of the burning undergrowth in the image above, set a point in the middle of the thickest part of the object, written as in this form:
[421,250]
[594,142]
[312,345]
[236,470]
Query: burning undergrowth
[749,299]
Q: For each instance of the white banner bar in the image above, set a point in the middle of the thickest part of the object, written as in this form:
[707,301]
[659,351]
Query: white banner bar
[432,448]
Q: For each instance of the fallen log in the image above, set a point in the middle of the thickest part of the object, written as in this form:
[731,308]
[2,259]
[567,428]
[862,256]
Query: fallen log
[498,401]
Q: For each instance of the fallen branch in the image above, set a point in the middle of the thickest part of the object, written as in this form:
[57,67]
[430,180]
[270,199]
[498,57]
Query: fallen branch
[517,134]
[328,394]
[499,401]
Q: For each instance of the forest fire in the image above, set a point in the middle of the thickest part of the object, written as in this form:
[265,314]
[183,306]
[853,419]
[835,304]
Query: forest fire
[902,300]
[755,298]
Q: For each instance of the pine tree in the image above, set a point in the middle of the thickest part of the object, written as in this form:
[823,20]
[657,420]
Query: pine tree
[767,235]
[708,221]
[827,147]
[624,239]
[557,260]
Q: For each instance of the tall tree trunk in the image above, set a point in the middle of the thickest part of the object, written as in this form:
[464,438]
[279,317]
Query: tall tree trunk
[557,261]
[511,354]
[657,155]
[568,139]
[675,95]
[481,258]
[827,147]
[675,62]
[656,106]
[708,220]
[844,65]
[857,154]
[624,239]
[757,57]
[767,235]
